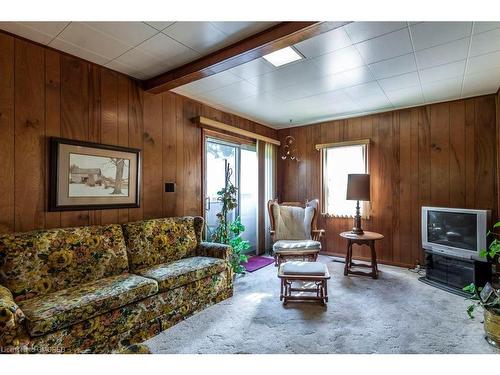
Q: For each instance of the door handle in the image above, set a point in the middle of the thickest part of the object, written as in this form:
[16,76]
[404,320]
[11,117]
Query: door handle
[207,204]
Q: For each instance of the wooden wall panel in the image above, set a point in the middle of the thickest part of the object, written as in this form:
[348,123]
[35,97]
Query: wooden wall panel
[152,159]
[7,125]
[29,187]
[52,121]
[45,93]
[440,154]
[122,103]
[108,133]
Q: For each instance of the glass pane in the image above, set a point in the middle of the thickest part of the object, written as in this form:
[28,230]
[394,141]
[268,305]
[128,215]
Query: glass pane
[341,161]
[217,154]
[249,196]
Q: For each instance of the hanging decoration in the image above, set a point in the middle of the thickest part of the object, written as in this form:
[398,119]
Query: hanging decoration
[289,151]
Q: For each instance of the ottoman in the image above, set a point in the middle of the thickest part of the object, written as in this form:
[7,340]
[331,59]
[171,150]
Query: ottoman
[314,277]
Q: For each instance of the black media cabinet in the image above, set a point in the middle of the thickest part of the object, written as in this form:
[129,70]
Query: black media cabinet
[452,274]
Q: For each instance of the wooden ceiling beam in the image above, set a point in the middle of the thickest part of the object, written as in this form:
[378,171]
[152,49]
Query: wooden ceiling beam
[272,39]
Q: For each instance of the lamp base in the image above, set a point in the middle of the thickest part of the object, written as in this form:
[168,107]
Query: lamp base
[357,231]
[357,222]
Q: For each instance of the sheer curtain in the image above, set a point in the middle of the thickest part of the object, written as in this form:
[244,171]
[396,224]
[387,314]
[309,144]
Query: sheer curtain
[270,152]
[338,162]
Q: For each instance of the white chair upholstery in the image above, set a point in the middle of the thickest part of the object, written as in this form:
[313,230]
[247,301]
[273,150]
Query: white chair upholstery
[293,228]
[296,245]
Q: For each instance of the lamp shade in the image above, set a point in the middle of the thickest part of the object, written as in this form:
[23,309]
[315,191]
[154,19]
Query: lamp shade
[358,187]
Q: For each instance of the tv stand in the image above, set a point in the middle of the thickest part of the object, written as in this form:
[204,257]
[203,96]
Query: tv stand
[452,274]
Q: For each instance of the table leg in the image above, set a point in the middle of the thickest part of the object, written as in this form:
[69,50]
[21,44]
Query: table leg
[374,260]
[348,258]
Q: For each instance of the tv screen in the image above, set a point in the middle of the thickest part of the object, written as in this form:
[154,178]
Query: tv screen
[452,229]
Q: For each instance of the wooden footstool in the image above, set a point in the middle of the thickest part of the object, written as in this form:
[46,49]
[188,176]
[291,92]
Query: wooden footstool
[313,272]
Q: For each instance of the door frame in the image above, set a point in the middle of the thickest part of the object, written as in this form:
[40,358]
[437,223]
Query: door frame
[231,139]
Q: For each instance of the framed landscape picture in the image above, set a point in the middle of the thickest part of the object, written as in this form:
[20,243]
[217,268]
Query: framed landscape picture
[89,176]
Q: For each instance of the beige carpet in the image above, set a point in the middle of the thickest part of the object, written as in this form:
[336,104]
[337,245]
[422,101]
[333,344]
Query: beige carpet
[394,314]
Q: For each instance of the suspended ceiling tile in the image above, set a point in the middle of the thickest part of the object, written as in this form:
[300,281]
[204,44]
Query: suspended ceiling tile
[481,27]
[430,34]
[130,33]
[392,67]
[40,32]
[400,82]
[485,42]
[442,90]
[203,37]
[170,52]
[324,43]
[385,47]
[252,68]
[159,25]
[95,41]
[338,61]
[406,97]
[440,72]
[443,54]
[80,52]
[484,62]
[361,31]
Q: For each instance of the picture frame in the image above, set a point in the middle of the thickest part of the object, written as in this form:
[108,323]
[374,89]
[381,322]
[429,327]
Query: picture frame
[93,176]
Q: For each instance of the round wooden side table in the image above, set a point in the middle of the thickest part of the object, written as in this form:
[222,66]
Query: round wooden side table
[368,239]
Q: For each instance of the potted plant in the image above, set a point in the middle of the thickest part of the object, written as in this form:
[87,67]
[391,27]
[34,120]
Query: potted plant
[230,232]
[489,297]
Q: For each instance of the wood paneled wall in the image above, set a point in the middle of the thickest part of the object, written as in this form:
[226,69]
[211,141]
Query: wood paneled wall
[46,93]
[173,146]
[440,155]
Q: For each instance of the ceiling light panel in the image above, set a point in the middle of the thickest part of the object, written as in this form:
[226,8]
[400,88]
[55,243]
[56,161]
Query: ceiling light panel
[282,56]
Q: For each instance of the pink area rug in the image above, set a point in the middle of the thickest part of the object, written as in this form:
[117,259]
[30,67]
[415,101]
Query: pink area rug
[257,262]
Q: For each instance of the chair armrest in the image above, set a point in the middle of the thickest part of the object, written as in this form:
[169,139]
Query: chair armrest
[317,234]
[11,319]
[215,250]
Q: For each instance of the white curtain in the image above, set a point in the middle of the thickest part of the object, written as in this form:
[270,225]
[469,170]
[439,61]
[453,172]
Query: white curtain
[270,152]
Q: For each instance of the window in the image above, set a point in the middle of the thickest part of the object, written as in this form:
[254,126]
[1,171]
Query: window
[339,160]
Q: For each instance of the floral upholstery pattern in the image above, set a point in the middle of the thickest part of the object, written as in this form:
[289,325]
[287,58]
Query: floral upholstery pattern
[70,290]
[11,318]
[215,250]
[41,262]
[64,308]
[183,271]
[157,241]
[108,332]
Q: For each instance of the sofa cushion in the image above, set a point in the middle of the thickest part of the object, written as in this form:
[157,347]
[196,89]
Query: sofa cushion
[158,241]
[286,245]
[183,271]
[45,261]
[61,309]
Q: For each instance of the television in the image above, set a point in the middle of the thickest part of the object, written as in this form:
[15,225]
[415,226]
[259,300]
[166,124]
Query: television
[457,232]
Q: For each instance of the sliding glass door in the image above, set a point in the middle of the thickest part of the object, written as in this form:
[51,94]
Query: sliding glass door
[241,159]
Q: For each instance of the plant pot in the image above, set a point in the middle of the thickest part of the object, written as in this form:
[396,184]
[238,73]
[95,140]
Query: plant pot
[492,327]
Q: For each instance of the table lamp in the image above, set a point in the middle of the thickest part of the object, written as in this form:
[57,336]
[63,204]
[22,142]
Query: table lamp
[358,189]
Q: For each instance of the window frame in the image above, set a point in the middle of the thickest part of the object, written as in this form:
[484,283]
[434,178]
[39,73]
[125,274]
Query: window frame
[323,148]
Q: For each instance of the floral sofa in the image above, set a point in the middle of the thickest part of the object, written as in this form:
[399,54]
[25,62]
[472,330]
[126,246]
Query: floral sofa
[98,289]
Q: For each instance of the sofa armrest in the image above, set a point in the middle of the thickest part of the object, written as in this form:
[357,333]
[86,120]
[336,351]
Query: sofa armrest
[215,250]
[11,319]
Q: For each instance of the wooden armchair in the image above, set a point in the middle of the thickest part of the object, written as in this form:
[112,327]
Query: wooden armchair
[294,230]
